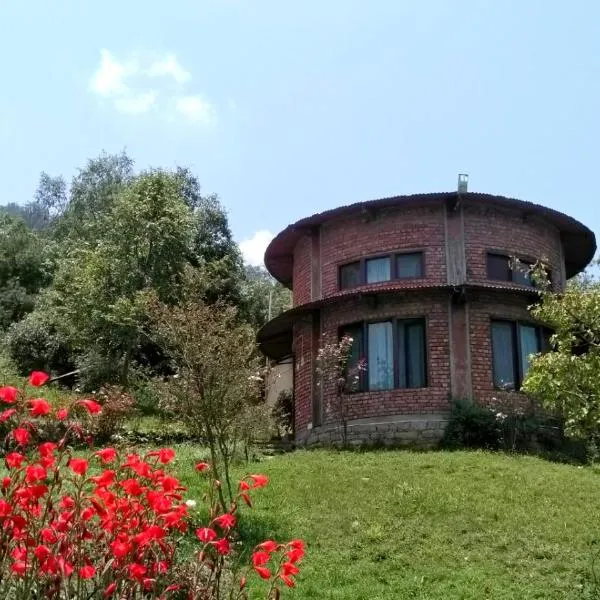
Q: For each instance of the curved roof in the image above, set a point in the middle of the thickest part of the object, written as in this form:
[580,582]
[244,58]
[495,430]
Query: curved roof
[579,242]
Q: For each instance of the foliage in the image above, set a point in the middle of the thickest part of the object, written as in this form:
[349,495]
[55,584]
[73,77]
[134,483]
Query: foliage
[35,344]
[72,534]
[471,425]
[566,381]
[283,412]
[23,271]
[338,378]
[264,298]
[214,358]
[117,407]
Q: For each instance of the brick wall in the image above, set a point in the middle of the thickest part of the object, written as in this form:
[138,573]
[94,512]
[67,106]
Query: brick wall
[302,274]
[512,234]
[303,375]
[431,399]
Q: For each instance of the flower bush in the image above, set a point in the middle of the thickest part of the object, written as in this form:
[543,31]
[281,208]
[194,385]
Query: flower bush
[108,524]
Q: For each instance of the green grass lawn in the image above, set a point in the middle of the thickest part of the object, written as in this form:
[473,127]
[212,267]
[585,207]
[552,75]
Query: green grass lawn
[427,525]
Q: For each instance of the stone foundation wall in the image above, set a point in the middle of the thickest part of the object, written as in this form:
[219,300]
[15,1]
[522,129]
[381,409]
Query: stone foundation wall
[418,431]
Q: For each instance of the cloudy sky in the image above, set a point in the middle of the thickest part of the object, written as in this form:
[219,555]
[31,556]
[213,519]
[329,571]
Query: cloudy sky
[289,108]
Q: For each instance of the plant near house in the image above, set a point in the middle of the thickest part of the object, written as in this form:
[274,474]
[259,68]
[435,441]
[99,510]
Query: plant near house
[109,525]
[338,376]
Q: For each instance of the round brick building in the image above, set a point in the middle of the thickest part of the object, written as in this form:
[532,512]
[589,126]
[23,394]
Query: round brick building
[424,286]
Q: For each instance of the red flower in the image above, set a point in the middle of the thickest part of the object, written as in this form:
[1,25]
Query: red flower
[62,414]
[137,571]
[110,590]
[105,478]
[7,414]
[269,546]
[202,466]
[38,378]
[226,521]
[263,572]
[5,508]
[287,580]
[46,449]
[39,407]
[91,406]
[246,499]
[48,535]
[35,473]
[290,569]
[87,572]
[106,455]
[165,455]
[205,534]
[8,394]
[67,502]
[295,554]
[14,460]
[19,567]
[222,546]
[120,549]
[79,466]
[132,486]
[21,436]
[244,486]
[42,552]
[259,480]
[260,558]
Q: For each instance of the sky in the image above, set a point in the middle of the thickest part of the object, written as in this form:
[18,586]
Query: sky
[286,108]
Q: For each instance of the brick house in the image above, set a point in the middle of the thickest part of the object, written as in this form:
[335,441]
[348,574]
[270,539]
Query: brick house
[424,286]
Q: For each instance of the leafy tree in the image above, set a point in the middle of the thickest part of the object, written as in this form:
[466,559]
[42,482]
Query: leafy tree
[567,380]
[263,297]
[23,271]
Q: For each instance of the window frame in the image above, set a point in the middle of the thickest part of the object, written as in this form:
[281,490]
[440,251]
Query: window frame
[396,322]
[516,325]
[511,272]
[393,258]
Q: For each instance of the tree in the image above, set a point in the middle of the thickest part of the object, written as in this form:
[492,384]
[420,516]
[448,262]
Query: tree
[263,297]
[214,357]
[23,270]
[567,380]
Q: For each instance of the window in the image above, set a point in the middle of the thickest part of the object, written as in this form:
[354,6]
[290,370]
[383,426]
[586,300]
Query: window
[381,268]
[395,354]
[512,345]
[499,268]
[353,375]
[350,275]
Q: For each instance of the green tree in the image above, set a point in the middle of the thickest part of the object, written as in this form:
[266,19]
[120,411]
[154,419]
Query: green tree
[567,380]
[23,270]
[263,297]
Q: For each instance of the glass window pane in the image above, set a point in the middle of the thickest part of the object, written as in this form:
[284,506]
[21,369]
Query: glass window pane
[409,265]
[530,344]
[498,267]
[380,356]
[353,378]
[350,275]
[522,277]
[415,333]
[378,269]
[503,355]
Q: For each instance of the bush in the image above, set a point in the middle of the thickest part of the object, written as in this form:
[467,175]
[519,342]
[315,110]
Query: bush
[283,413]
[34,344]
[109,525]
[471,426]
[117,406]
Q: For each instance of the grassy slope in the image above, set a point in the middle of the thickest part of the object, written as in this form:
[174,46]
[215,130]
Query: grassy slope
[431,526]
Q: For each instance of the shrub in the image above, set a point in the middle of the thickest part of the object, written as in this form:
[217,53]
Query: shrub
[283,413]
[109,526]
[117,406]
[471,426]
[34,344]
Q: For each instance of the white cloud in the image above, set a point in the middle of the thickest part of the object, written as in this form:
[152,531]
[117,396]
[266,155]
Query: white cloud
[131,86]
[195,109]
[109,78]
[253,249]
[136,104]
[169,67]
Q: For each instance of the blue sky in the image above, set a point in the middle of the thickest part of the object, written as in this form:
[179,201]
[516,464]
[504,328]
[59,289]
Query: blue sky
[285,109]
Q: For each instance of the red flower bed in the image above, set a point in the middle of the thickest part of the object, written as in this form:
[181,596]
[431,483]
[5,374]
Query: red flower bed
[109,526]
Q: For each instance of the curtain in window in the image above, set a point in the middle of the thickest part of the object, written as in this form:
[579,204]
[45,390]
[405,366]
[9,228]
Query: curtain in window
[529,345]
[380,357]
[503,355]
[378,269]
[409,265]
[416,355]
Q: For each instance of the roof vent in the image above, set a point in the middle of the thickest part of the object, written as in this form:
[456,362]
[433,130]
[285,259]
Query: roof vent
[463,183]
